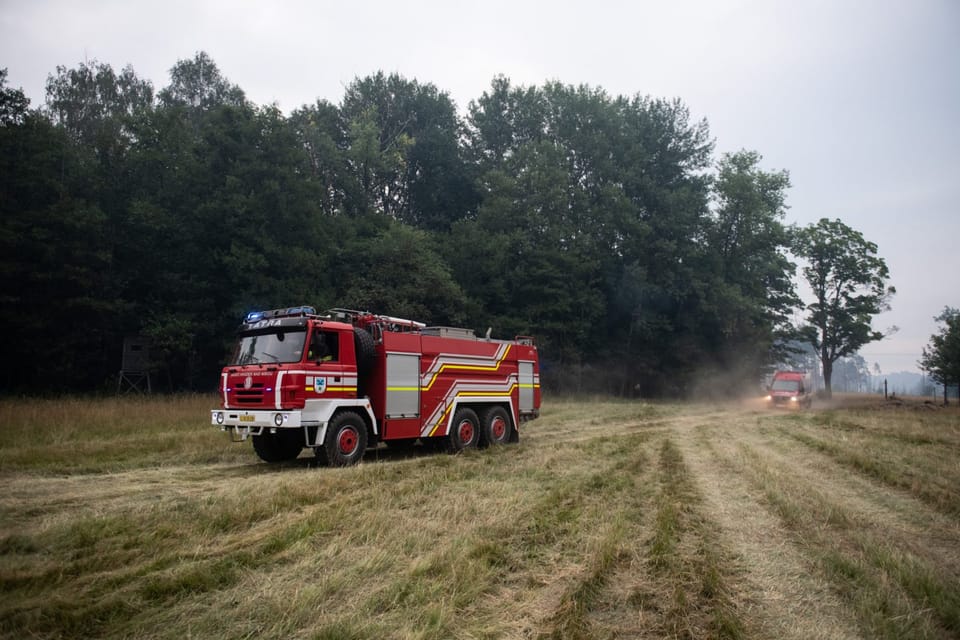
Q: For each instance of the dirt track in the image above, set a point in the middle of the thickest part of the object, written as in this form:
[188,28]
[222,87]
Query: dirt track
[778,589]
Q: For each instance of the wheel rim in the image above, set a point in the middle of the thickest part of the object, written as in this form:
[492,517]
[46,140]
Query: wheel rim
[498,428]
[465,431]
[347,441]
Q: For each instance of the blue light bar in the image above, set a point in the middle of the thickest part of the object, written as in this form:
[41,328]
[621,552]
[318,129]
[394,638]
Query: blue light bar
[257,316]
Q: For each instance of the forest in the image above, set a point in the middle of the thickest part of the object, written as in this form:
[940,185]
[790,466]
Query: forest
[605,226]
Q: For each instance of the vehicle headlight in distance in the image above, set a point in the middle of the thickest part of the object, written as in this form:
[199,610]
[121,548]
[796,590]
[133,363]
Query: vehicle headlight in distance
[278,419]
[219,417]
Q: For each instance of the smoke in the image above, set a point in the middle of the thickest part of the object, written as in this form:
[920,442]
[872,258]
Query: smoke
[712,382]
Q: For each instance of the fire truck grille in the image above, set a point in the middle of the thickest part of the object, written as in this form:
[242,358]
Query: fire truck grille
[253,395]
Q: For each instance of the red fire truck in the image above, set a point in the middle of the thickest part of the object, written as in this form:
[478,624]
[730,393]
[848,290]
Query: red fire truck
[342,381]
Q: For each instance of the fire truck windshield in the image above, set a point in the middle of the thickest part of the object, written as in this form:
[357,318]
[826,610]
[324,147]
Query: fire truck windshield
[786,385]
[278,346]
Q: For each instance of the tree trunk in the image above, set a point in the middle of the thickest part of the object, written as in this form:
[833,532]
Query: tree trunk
[827,375]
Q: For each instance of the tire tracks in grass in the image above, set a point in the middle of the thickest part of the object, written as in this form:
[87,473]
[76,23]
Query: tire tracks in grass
[894,592]
[898,514]
[769,580]
[515,568]
[656,570]
[687,558]
[940,493]
[595,587]
[578,559]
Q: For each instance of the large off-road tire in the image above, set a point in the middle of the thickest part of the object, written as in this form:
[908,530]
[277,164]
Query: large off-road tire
[464,431]
[366,354]
[495,426]
[282,446]
[346,439]
[366,350]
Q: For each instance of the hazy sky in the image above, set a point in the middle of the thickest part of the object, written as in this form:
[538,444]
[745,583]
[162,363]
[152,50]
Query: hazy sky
[859,100]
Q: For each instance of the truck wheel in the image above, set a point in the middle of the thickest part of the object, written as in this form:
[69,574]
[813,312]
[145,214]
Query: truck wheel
[464,431]
[495,426]
[346,439]
[282,446]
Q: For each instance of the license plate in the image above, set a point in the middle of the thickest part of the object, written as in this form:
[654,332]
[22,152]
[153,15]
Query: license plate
[247,418]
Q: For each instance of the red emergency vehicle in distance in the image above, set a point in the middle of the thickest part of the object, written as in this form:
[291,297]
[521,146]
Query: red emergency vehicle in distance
[344,380]
[791,390]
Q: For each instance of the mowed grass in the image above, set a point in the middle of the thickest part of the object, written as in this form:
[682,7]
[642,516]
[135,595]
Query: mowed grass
[134,517]
[96,435]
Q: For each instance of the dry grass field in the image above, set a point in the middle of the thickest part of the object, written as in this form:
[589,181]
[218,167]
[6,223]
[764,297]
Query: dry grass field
[132,518]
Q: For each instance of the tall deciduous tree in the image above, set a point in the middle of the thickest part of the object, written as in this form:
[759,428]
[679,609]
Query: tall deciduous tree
[403,152]
[13,103]
[54,261]
[849,283]
[941,358]
[198,83]
[754,293]
[503,119]
[524,261]
[593,214]
[397,270]
[322,142]
[98,107]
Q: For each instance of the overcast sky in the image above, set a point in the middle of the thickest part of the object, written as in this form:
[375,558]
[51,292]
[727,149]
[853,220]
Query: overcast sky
[859,100]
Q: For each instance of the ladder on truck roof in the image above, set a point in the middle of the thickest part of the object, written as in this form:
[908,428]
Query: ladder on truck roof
[365,319]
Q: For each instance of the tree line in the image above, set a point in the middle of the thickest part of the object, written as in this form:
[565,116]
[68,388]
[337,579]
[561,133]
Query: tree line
[603,225]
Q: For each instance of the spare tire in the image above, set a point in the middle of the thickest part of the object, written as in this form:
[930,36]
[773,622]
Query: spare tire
[366,351]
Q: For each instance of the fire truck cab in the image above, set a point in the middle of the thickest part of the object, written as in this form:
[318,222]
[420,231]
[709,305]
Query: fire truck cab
[342,381]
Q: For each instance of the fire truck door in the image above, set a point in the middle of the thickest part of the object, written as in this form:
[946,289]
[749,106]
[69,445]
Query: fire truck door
[525,369]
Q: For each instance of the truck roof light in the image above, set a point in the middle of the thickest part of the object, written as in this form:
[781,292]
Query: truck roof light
[257,316]
[301,311]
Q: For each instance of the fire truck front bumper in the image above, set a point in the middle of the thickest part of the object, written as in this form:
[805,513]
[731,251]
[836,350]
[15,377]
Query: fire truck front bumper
[313,419]
[253,423]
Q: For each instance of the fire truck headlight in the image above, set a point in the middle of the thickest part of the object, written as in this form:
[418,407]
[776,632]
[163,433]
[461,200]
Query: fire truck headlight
[793,398]
[278,419]
[219,417]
